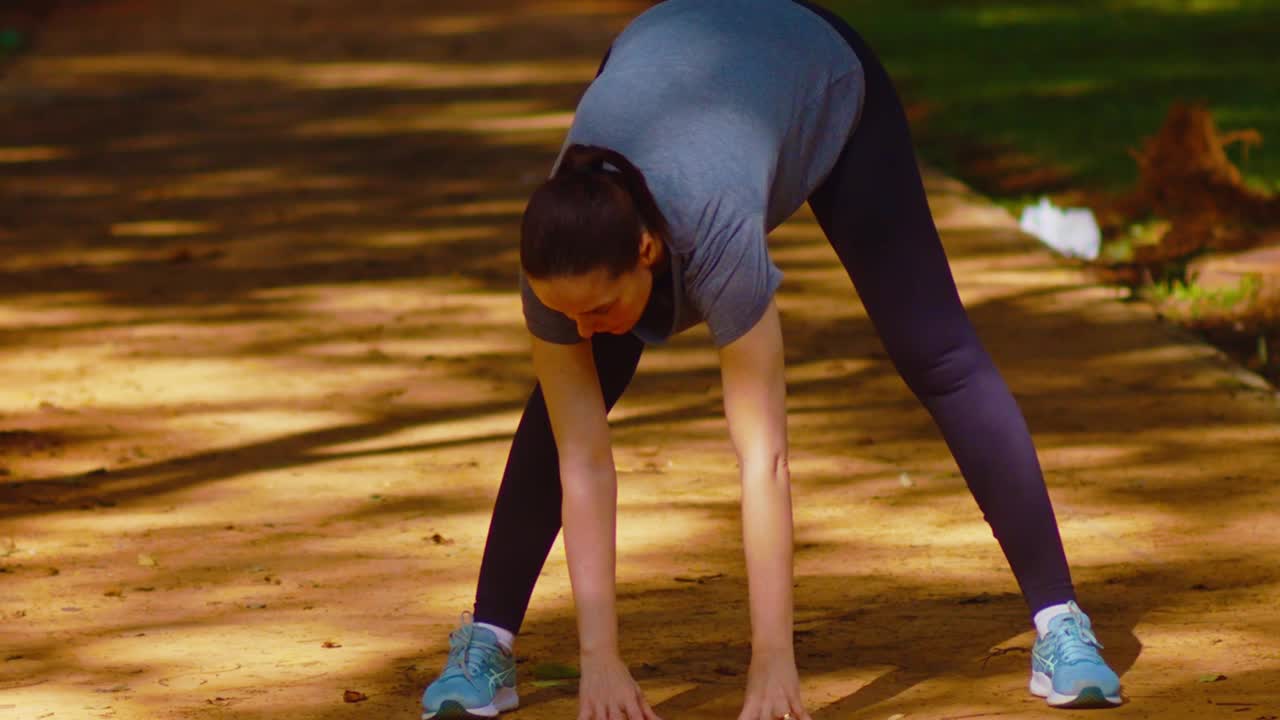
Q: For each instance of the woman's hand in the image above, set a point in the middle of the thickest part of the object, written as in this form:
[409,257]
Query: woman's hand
[606,691]
[755,404]
[773,689]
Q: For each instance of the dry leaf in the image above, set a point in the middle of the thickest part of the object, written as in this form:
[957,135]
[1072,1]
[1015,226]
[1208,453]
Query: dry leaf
[353,696]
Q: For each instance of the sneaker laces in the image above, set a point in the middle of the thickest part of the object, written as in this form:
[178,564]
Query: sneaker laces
[460,643]
[1075,639]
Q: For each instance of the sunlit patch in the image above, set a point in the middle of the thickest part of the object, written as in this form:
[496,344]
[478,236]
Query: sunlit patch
[475,209]
[1171,355]
[828,369]
[328,76]
[1179,7]
[474,427]
[429,122]
[32,153]
[240,182]
[161,228]
[959,213]
[419,238]
[47,311]
[325,75]
[1082,456]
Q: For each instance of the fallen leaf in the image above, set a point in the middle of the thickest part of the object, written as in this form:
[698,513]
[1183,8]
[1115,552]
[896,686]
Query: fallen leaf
[700,579]
[353,696]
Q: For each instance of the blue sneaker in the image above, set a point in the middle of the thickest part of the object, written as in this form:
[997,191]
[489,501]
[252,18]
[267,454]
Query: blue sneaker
[479,679]
[1066,668]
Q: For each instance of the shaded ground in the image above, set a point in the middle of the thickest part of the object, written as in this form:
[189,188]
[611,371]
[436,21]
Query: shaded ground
[262,359]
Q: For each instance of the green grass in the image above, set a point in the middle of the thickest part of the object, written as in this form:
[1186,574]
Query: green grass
[1076,83]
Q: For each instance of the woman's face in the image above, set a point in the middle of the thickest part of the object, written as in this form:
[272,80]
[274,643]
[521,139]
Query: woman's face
[599,302]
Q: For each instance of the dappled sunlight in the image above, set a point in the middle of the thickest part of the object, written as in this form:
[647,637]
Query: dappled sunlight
[265,354]
[160,228]
[1195,7]
[1080,455]
[435,122]
[417,238]
[30,154]
[60,71]
[482,426]
[239,183]
[488,208]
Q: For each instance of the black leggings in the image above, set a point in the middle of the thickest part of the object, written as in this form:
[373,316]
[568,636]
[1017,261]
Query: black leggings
[875,213]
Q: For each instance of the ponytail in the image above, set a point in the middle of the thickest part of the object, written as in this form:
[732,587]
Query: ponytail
[588,215]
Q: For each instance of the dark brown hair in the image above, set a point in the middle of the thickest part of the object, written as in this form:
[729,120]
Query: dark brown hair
[588,215]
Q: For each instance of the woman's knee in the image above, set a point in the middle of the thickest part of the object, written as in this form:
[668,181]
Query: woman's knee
[941,369]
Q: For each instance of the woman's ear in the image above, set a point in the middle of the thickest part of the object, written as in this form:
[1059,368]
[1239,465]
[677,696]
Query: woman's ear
[651,249]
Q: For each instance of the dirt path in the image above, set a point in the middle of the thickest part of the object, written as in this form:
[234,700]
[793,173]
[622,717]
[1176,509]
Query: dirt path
[262,358]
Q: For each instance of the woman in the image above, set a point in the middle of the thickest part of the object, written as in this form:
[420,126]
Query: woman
[710,122]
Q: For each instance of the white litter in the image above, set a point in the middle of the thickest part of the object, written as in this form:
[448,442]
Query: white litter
[1072,232]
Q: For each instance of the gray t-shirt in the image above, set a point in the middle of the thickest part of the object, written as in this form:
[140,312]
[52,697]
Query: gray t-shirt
[735,111]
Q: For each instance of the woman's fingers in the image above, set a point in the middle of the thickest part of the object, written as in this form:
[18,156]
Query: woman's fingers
[797,707]
[649,713]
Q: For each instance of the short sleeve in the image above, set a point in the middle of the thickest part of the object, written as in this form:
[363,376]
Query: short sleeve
[736,281]
[543,322]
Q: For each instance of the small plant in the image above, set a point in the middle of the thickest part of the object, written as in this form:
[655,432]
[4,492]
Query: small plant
[1198,299]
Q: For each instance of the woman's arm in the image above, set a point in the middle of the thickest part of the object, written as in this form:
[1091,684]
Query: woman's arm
[571,388]
[755,406]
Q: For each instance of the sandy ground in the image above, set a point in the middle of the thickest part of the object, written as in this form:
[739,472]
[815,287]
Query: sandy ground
[262,358]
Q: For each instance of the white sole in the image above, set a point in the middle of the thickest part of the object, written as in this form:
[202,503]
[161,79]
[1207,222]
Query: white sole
[504,700]
[1042,686]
